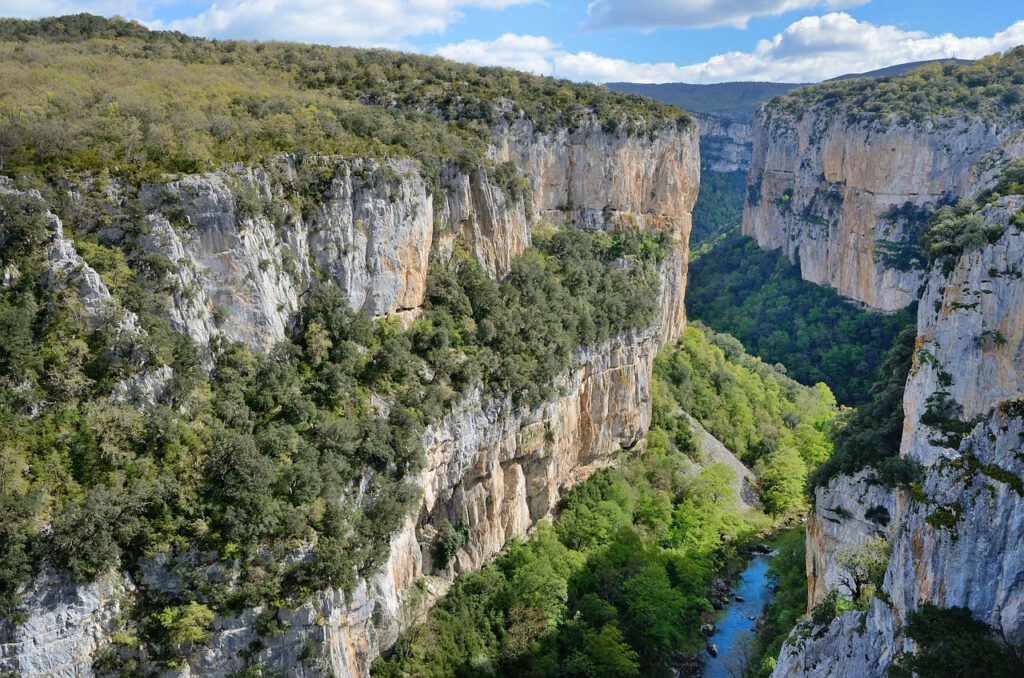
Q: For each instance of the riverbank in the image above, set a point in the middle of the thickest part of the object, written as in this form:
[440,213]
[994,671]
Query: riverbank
[765,602]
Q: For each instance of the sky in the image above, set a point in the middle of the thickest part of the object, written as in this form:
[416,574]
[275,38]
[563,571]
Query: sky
[699,41]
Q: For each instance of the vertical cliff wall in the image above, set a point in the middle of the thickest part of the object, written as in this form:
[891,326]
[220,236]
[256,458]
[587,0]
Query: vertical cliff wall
[726,143]
[241,248]
[826,185]
[956,537]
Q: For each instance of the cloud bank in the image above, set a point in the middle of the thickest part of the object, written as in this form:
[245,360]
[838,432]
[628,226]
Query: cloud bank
[651,14]
[811,49]
[361,23]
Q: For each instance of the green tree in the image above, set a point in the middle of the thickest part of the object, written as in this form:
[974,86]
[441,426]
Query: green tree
[952,643]
[611,656]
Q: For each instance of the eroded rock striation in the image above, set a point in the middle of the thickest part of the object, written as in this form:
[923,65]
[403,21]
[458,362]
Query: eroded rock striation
[828,186]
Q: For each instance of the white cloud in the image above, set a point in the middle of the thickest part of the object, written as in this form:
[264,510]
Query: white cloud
[31,9]
[386,23]
[651,14]
[815,48]
[811,49]
[525,52]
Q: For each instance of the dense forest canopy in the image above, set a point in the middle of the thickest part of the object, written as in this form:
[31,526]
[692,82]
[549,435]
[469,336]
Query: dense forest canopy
[760,298]
[719,206]
[87,93]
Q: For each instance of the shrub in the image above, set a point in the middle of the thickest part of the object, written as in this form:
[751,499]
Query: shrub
[951,642]
[830,607]
[449,541]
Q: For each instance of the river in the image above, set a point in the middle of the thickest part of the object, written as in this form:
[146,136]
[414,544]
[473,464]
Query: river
[734,629]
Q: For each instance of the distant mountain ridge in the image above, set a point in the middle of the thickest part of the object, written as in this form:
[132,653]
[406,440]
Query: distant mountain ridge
[739,100]
[726,99]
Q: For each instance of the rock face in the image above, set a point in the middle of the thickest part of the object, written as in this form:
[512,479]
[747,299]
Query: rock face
[970,335]
[848,512]
[64,626]
[599,180]
[246,243]
[241,253]
[956,540]
[726,143]
[823,187]
[240,248]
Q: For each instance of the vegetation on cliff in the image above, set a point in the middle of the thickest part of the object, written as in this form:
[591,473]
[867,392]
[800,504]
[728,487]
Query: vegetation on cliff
[87,93]
[991,88]
[953,230]
[263,455]
[618,584]
[951,643]
[759,298]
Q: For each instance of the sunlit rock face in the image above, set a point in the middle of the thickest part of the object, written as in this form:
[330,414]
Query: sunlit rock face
[242,246]
[825,186]
[956,538]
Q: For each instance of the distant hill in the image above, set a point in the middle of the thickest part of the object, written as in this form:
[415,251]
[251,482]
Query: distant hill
[739,100]
[728,99]
[899,69]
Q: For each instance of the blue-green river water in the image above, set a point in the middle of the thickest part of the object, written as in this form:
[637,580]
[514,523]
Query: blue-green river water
[735,628]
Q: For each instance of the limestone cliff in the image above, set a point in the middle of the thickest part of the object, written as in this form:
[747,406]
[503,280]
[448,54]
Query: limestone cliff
[956,537]
[826,185]
[242,246]
[247,242]
[726,142]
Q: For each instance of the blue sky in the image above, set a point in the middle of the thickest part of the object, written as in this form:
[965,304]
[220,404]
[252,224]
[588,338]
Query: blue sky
[603,40]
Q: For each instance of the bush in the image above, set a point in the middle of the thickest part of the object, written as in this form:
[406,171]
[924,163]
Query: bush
[830,607]
[951,642]
[449,541]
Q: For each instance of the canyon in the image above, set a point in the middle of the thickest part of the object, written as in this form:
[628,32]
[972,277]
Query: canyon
[826,187]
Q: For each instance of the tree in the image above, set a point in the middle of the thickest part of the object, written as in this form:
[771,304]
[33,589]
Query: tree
[831,606]
[187,625]
[951,643]
[781,476]
[611,656]
[656,612]
[864,567]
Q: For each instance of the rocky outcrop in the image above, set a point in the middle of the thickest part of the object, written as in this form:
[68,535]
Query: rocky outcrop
[601,180]
[64,626]
[856,645]
[726,143]
[849,512]
[828,185]
[956,537]
[246,245]
[970,346]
